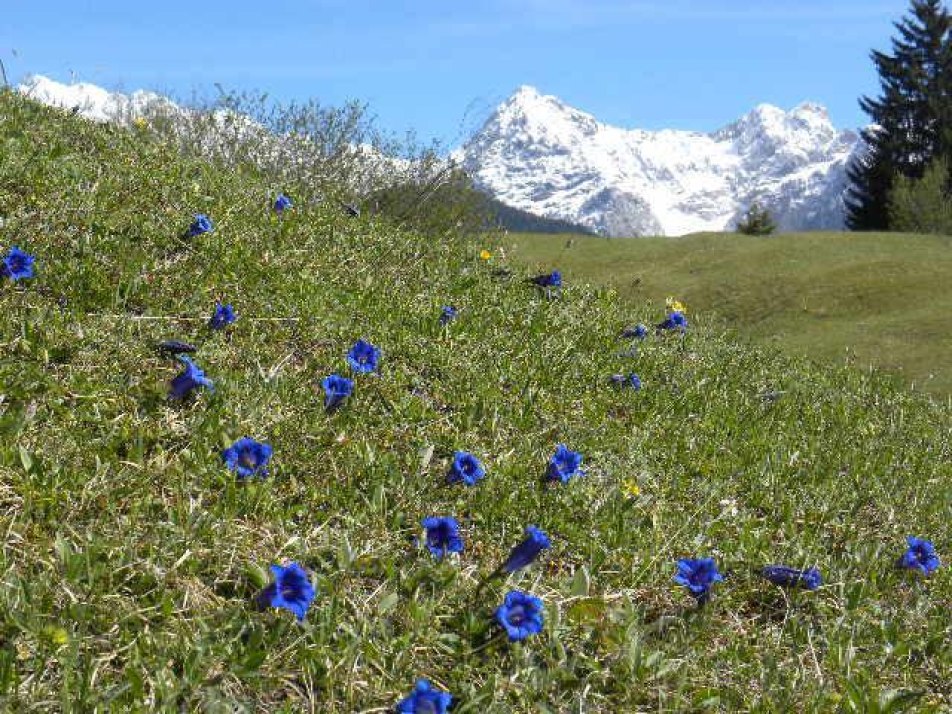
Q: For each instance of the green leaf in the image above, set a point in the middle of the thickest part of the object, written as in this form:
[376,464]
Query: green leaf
[587,611]
[894,701]
[387,603]
[258,575]
[426,455]
[26,459]
[580,583]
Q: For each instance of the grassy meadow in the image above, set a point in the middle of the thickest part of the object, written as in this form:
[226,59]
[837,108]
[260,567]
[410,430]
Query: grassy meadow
[132,557]
[882,299]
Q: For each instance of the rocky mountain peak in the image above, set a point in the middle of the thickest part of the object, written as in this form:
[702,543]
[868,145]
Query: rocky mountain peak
[538,154]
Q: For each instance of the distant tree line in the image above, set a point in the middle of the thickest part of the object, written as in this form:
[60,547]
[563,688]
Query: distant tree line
[903,181]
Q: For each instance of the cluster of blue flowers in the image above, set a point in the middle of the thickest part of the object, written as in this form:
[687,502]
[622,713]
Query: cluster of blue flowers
[363,358]
[521,614]
[699,575]
[249,458]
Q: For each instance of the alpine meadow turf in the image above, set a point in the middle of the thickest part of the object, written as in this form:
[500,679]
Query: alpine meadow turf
[872,299]
[132,557]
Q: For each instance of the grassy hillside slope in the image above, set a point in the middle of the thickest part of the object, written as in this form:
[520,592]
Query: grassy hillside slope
[131,557]
[874,298]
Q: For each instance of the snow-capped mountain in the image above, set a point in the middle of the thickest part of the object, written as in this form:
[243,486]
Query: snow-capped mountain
[92,101]
[540,155]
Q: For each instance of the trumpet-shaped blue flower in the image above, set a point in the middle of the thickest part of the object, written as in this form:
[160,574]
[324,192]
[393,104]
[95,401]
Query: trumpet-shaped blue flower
[448,314]
[442,535]
[527,551]
[223,316]
[336,390]
[291,589]
[521,615]
[548,280]
[282,203]
[425,700]
[190,379]
[201,224]
[564,464]
[363,357]
[698,575]
[466,468]
[248,457]
[791,577]
[674,321]
[18,264]
[638,332]
[920,556]
[632,380]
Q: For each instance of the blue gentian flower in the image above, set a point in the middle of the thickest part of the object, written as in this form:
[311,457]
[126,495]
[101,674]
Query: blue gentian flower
[425,700]
[466,468]
[920,556]
[520,615]
[18,264]
[548,280]
[248,457]
[363,357]
[291,589]
[282,203]
[698,575]
[791,577]
[527,551]
[448,314]
[638,332]
[336,390]
[442,535]
[620,380]
[190,379]
[564,464]
[674,321]
[201,224]
[224,315]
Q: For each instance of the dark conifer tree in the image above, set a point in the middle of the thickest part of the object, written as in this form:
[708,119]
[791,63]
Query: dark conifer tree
[912,118]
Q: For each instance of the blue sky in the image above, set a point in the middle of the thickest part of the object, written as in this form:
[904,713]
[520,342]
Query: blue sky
[440,66]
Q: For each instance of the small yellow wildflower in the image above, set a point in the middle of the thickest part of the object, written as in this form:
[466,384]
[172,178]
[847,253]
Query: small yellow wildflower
[485,254]
[140,123]
[630,488]
[675,305]
[56,635]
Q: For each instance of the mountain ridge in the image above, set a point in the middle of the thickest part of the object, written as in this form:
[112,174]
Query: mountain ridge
[537,153]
